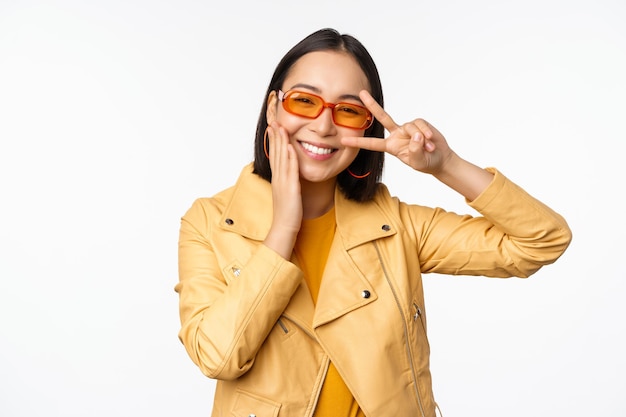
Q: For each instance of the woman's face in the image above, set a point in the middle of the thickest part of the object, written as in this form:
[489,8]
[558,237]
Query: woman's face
[336,77]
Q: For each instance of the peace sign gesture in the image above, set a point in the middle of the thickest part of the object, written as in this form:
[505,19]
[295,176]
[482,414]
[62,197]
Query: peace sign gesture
[422,147]
[417,143]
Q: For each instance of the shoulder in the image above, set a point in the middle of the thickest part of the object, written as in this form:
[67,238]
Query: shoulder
[406,215]
[233,205]
[388,202]
[223,198]
[210,204]
[205,211]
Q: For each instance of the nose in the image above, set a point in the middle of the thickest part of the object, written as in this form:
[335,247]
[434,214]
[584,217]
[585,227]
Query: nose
[324,124]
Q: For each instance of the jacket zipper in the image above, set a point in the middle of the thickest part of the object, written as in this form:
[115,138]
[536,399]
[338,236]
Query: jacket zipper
[405,327]
[282,326]
[418,312]
[418,316]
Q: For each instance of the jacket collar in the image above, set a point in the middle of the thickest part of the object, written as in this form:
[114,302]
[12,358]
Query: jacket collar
[249,208]
[358,223]
[249,213]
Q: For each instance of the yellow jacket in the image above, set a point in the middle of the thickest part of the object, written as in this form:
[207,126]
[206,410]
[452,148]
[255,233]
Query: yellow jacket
[248,319]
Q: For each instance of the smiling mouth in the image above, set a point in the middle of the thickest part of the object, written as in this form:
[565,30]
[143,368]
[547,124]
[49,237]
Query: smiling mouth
[316,149]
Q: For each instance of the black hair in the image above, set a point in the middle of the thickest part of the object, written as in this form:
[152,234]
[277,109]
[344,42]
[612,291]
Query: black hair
[366,160]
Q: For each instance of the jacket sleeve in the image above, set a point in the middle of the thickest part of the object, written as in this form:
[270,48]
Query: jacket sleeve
[515,236]
[224,321]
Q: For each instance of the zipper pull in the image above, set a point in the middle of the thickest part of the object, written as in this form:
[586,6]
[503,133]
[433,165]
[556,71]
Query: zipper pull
[418,312]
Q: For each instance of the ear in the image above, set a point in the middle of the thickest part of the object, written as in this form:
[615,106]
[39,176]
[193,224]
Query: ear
[272,105]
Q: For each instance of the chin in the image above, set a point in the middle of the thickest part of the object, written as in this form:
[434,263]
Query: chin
[317,176]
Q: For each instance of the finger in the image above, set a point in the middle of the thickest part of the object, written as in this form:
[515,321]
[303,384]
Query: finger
[377,111]
[411,130]
[418,126]
[426,130]
[277,147]
[424,127]
[294,169]
[372,144]
[429,145]
[419,140]
[416,149]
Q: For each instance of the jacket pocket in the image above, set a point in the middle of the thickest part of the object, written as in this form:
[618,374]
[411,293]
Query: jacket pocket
[248,405]
[283,326]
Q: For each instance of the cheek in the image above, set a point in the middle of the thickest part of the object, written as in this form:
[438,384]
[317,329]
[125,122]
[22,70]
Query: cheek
[348,155]
[351,153]
[289,122]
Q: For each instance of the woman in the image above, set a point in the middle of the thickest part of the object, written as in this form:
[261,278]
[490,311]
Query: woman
[300,286]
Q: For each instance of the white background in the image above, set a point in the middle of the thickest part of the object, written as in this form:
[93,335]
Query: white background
[116,115]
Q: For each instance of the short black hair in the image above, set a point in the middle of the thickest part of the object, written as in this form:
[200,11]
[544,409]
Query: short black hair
[331,40]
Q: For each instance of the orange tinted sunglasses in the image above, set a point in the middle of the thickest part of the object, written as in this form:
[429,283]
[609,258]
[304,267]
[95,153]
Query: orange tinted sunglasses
[304,104]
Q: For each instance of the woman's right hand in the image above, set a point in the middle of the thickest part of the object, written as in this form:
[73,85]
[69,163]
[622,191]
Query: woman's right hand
[286,194]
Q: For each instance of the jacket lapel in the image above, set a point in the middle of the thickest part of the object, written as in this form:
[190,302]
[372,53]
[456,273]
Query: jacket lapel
[345,286]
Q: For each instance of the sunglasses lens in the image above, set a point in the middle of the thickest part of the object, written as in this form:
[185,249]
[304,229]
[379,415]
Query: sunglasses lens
[351,116]
[311,106]
[302,104]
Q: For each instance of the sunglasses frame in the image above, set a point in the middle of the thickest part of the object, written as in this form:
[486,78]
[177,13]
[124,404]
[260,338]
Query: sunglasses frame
[282,97]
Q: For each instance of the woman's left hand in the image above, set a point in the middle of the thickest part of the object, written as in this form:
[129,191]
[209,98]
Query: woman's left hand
[418,144]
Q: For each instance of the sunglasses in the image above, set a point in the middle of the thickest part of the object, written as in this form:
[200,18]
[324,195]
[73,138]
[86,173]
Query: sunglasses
[309,105]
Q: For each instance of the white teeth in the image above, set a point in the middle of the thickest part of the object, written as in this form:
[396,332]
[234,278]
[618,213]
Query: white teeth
[314,149]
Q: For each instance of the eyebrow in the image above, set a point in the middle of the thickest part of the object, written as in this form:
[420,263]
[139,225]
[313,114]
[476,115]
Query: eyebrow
[318,91]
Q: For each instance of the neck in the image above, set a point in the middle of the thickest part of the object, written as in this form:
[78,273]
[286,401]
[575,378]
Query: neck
[317,198]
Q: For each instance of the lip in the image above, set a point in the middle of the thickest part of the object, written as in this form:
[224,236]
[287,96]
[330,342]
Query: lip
[317,151]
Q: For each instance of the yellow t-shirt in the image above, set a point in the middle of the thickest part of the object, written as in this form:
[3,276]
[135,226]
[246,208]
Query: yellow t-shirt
[312,247]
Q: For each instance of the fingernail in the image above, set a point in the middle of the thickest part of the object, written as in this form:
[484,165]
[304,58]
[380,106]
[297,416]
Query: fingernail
[417,137]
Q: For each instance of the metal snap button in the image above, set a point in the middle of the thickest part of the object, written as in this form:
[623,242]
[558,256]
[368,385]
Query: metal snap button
[229,222]
[386,227]
[365,294]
